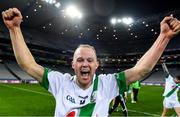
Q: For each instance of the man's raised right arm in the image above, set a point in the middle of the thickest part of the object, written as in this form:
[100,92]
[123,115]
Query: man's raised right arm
[12,19]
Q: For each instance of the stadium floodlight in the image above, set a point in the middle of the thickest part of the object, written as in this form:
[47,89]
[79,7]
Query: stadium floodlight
[113,21]
[73,12]
[127,20]
[119,20]
[51,1]
[57,5]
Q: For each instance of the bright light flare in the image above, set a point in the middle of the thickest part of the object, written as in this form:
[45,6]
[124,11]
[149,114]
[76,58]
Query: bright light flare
[113,21]
[73,12]
[127,20]
[57,5]
[53,2]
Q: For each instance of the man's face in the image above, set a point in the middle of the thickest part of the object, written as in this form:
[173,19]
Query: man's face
[84,64]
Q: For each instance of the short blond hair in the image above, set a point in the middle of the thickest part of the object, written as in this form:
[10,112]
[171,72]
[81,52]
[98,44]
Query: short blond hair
[85,46]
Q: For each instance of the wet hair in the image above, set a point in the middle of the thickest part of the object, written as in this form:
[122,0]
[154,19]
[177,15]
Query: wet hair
[85,46]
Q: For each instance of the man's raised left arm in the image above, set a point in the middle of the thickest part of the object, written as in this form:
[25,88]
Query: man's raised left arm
[169,27]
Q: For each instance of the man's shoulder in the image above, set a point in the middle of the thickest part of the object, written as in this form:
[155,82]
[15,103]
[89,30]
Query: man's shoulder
[102,76]
[59,75]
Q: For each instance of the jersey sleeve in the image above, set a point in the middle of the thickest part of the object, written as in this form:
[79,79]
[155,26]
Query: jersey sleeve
[45,82]
[52,81]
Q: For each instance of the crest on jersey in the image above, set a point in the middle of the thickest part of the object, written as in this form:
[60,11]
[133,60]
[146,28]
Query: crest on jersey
[93,97]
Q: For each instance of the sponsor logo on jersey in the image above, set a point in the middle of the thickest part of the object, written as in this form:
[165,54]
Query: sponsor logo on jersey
[71,114]
[83,100]
[71,99]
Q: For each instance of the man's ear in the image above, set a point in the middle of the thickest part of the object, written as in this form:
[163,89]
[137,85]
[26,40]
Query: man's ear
[97,64]
[72,64]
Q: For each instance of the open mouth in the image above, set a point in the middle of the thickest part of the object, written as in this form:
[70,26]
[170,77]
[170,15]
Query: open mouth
[85,73]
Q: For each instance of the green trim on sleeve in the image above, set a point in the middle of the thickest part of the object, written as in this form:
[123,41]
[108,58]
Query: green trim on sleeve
[45,82]
[121,81]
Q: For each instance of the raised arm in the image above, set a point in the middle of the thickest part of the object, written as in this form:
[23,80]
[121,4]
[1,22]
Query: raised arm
[165,69]
[12,19]
[169,28]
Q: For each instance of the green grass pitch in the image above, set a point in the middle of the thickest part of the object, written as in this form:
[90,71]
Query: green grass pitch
[33,100]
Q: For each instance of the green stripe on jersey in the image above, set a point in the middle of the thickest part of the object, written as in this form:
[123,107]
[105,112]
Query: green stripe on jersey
[121,81]
[45,82]
[172,91]
[88,109]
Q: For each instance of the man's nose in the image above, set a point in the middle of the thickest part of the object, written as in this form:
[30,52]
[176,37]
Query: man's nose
[85,63]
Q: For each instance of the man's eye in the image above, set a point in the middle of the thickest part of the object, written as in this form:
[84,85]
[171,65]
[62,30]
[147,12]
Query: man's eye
[90,60]
[79,60]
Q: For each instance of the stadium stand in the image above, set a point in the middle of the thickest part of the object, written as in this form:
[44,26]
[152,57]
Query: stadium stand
[174,71]
[157,77]
[5,74]
[18,72]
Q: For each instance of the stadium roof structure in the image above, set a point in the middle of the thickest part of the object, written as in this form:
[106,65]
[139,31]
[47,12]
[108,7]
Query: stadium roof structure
[111,41]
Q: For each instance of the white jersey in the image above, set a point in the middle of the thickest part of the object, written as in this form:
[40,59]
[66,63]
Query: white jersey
[70,97]
[170,85]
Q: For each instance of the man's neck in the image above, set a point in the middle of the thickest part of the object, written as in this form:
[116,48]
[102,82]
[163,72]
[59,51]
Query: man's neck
[84,87]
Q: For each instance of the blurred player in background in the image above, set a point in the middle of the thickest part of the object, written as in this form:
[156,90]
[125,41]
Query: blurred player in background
[119,100]
[170,93]
[134,91]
